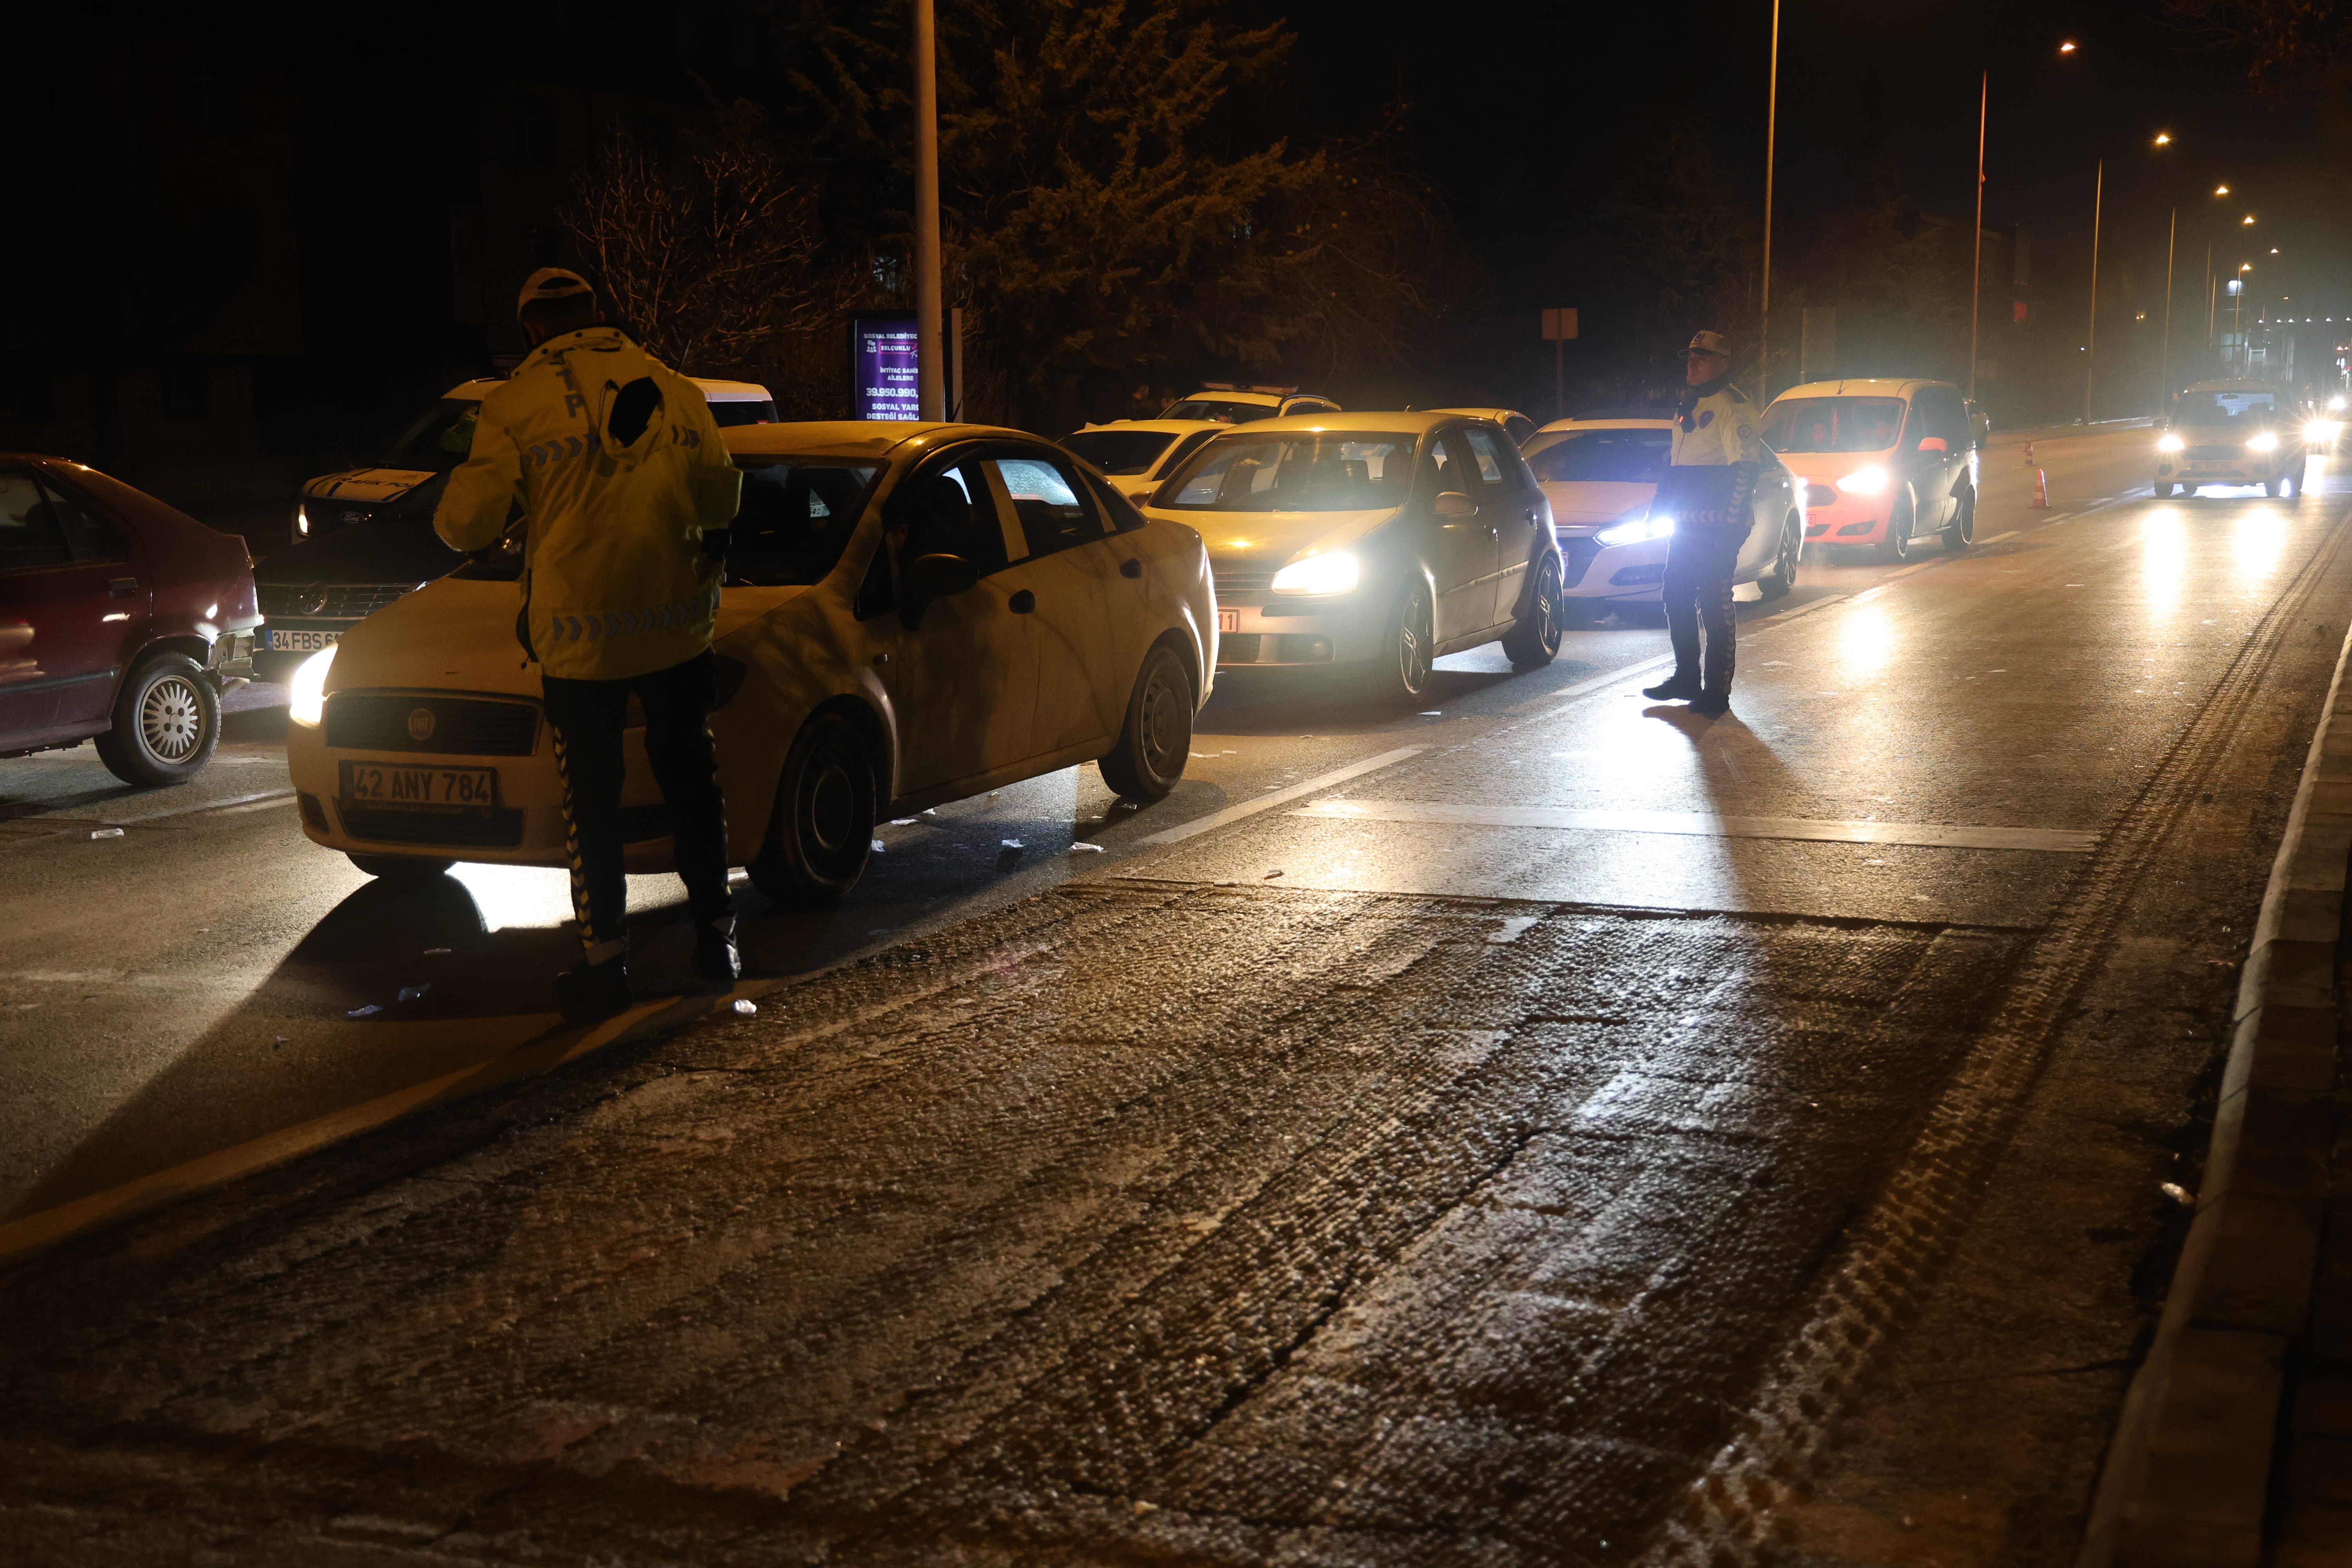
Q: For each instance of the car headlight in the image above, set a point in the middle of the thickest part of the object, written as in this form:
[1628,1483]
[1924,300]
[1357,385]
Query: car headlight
[2266,442]
[308,691]
[2335,403]
[1656,525]
[1320,576]
[302,521]
[2319,430]
[1866,481]
[2169,443]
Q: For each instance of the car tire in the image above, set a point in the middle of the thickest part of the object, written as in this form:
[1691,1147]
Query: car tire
[402,867]
[167,722]
[2163,489]
[1534,641]
[820,832]
[1961,532]
[1157,736]
[1782,580]
[1401,673]
[1896,546]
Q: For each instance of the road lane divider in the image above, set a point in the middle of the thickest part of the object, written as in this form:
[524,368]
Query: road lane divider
[1707,824]
[1272,798]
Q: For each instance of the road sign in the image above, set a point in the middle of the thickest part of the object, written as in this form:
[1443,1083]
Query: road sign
[1559,326]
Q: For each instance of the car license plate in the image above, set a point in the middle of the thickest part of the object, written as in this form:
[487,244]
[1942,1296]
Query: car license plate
[1229,620]
[297,642]
[422,789]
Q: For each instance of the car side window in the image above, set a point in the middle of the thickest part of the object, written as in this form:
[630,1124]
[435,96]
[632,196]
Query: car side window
[1497,465]
[1458,468]
[796,517]
[89,535]
[1952,417]
[1183,449]
[1054,510]
[29,534]
[950,511]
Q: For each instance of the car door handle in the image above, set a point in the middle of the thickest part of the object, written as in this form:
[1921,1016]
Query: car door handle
[1130,567]
[123,587]
[1022,603]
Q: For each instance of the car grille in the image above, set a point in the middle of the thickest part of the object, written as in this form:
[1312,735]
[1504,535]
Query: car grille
[1238,648]
[330,601]
[1242,587]
[2208,453]
[461,727]
[501,830]
[1271,647]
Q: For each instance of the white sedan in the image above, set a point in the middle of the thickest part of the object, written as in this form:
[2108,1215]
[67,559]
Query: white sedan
[1600,475]
[1137,454]
[912,614]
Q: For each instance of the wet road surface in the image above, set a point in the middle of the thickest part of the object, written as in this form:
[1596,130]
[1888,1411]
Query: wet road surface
[1544,1129]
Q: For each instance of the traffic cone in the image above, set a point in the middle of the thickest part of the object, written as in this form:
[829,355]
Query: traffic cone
[2029,454]
[2041,491]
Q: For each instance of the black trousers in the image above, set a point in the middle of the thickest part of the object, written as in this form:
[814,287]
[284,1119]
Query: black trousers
[1699,564]
[587,717]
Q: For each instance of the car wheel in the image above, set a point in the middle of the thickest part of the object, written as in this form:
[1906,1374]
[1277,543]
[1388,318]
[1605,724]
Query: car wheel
[402,867]
[1961,532]
[2163,489]
[167,722]
[1157,735]
[1896,545]
[821,831]
[1401,673]
[1783,577]
[1534,642]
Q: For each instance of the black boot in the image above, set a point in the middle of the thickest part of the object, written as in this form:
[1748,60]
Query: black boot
[1713,703]
[715,958]
[595,987]
[1678,686]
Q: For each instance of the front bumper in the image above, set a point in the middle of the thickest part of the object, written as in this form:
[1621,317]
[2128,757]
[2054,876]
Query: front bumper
[1848,520]
[1632,574]
[526,827]
[2222,471]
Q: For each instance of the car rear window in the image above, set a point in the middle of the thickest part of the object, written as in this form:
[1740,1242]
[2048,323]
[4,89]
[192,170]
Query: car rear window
[1605,457]
[1224,411]
[1833,423]
[743,411]
[796,517]
[1120,451]
[1336,471]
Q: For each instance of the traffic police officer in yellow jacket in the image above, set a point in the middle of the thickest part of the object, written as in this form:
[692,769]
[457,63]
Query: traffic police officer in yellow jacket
[624,491]
[1709,490]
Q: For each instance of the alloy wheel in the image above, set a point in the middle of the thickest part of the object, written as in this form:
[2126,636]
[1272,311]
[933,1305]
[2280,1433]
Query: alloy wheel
[172,720]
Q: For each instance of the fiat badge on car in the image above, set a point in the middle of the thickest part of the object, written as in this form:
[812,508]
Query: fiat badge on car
[420,723]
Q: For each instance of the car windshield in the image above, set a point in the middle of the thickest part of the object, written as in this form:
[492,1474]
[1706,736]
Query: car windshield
[1354,471]
[797,516]
[743,411]
[1224,411]
[439,439]
[1637,457]
[2201,408]
[1120,451]
[1833,424]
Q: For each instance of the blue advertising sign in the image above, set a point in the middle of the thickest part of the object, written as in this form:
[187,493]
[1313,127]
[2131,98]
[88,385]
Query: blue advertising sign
[883,365]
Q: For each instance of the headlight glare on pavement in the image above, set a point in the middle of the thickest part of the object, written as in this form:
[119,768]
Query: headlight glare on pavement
[2169,443]
[307,692]
[1656,525]
[1866,481]
[2266,442]
[1319,575]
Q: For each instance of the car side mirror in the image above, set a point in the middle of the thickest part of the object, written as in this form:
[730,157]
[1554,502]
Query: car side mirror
[940,576]
[1454,503]
[1933,444]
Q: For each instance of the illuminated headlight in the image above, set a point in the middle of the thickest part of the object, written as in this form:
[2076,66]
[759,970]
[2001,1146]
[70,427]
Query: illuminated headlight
[1866,481]
[302,521]
[1654,526]
[2320,430]
[2337,403]
[307,699]
[2266,442]
[1319,575]
[2168,443]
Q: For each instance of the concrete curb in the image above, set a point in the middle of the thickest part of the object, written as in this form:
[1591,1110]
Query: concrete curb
[2187,1478]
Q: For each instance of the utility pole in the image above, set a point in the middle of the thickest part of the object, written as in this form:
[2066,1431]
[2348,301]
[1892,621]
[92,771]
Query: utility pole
[2091,337]
[1771,123]
[930,382]
[2164,351]
[1976,266]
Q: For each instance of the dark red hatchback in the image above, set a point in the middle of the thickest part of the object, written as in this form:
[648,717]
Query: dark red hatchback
[120,617]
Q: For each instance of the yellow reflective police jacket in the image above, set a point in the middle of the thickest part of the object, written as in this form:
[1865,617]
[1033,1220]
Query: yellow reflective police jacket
[617,467]
[1717,454]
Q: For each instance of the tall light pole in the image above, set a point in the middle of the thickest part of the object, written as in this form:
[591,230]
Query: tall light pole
[1771,123]
[2091,334]
[930,382]
[1976,265]
[2164,351]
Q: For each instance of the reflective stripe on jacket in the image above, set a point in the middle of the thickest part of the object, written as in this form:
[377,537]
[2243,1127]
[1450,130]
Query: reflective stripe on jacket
[617,467]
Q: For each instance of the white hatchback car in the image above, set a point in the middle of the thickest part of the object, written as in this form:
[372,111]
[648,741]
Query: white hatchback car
[912,614]
[1137,454]
[1599,476]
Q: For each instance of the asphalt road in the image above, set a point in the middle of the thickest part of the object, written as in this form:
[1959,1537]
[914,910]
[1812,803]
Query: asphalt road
[1547,1128]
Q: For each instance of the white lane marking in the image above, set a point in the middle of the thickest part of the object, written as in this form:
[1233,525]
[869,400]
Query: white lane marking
[1278,797]
[1997,538]
[1933,836]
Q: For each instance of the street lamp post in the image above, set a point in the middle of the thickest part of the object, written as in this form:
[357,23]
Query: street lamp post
[2091,336]
[930,382]
[1976,265]
[1771,123]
